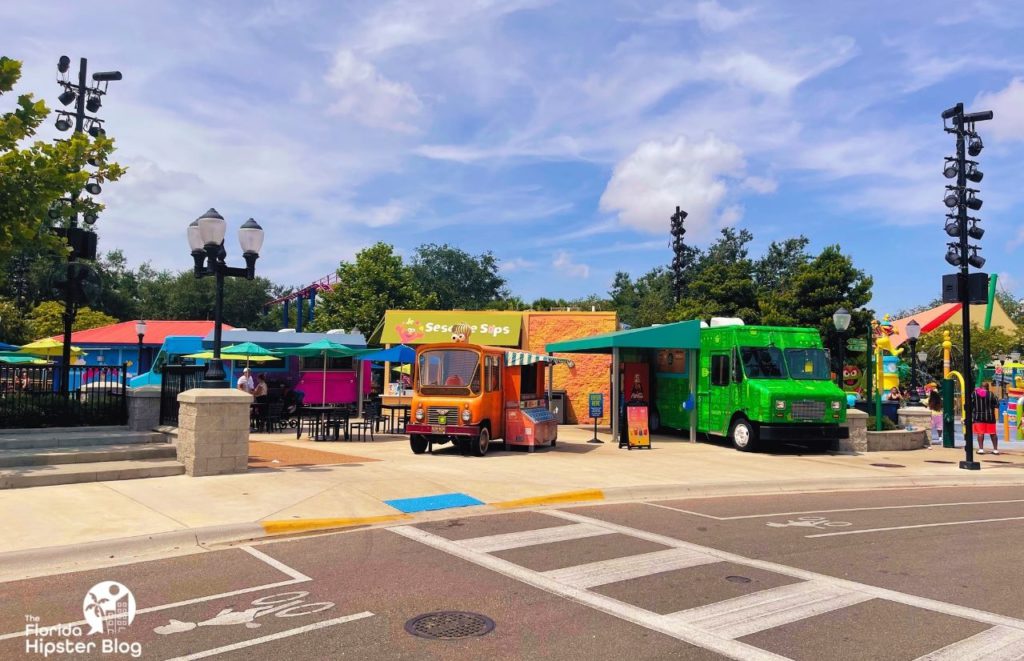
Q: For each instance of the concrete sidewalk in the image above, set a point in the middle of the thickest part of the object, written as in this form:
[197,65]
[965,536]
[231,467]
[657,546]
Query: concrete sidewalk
[183,511]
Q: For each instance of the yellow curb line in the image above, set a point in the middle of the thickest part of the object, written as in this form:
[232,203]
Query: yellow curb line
[301,525]
[550,499]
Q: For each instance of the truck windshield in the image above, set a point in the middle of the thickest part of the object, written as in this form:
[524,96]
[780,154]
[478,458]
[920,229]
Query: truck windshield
[808,364]
[448,372]
[762,363]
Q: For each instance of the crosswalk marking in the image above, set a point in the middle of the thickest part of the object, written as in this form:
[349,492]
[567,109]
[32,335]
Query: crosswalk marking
[514,540]
[766,609]
[716,626]
[634,566]
[995,644]
[934,605]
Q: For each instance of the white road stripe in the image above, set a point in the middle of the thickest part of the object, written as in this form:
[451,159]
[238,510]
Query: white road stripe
[911,527]
[644,618]
[274,636]
[766,609]
[633,566]
[276,564]
[848,509]
[514,540]
[876,592]
[995,644]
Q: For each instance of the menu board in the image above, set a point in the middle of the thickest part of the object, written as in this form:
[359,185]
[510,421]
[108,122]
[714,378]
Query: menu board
[639,432]
[672,361]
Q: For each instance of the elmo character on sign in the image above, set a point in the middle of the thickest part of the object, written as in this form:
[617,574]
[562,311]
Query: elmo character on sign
[461,333]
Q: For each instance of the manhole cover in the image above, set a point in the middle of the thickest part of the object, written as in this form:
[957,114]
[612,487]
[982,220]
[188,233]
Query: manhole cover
[737,579]
[889,465]
[449,625]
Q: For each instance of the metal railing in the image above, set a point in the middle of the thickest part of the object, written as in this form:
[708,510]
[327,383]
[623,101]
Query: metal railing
[30,396]
[177,379]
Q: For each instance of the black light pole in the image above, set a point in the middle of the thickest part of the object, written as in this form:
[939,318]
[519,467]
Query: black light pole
[679,252]
[959,253]
[841,319]
[206,239]
[83,244]
[913,332]
[140,330]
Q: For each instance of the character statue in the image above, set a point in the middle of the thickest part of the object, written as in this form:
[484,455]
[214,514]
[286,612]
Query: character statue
[461,333]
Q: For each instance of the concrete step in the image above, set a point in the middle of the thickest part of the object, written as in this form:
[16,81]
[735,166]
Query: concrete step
[40,476]
[66,437]
[84,454]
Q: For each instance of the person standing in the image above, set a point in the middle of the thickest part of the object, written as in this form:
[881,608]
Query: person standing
[935,406]
[245,382]
[986,408]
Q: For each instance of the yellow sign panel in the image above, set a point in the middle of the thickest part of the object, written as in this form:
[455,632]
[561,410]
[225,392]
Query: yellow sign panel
[499,329]
[639,431]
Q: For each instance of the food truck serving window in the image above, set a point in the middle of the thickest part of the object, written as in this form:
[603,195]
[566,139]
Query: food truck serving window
[808,364]
[449,372]
[762,362]
[528,384]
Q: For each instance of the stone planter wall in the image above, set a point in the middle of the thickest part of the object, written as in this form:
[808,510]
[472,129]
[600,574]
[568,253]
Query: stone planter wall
[143,408]
[890,441]
[213,431]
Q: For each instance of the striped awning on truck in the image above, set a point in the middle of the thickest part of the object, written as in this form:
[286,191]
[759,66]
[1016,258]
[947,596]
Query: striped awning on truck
[513,358]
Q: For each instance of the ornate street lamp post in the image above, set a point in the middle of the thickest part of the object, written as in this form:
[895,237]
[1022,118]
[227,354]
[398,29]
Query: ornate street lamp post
[841,320]
[206,239]
[140,330]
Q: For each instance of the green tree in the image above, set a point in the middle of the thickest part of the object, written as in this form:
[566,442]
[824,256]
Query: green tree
[456,279]
[722,283]
[780,263]
[14,329]
[47,320]
[34,176]
[375,282]
[645,301]
[188,297]
[823,285]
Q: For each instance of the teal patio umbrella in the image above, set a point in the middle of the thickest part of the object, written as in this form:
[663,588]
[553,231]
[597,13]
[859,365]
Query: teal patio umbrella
[324,348]
[248,350]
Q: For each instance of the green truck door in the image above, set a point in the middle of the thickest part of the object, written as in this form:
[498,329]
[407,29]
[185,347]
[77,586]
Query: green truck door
[719,393]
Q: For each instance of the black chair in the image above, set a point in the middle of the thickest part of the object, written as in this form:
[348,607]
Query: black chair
[275,418]
[371,418]
[337,420]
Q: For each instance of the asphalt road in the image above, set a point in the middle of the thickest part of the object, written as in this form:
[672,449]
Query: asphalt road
[897,574]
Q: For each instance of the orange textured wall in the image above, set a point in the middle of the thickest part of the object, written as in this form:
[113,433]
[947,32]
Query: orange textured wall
[592,371]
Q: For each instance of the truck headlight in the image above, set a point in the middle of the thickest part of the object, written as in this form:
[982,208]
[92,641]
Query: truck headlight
[780,405]
[419,415]
[836,406]
[466,415]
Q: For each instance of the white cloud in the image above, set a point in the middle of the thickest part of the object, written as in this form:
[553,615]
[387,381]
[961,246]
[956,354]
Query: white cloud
[516,264]
[564,264]
[648,184]
[714,17]
[368,97]
[1008,107]
[763,185]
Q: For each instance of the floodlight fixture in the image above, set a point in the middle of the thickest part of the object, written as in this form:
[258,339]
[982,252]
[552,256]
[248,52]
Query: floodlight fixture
[952,226]
[93,104]
[976,260]
[67,97]
[974,231]
[93,188]
[975,145]
[953,254]
[62,123]
[973,173]
[63,64]
[105,77]
[950,168]
[973,203]
[952,197]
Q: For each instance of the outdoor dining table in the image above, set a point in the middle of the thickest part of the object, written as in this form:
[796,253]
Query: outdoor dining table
[322,417]
[393,409]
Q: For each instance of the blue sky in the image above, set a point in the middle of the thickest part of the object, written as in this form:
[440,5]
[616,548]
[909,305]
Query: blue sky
[559,135]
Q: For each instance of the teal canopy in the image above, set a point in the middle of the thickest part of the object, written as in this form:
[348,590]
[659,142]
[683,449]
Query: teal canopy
[680,335]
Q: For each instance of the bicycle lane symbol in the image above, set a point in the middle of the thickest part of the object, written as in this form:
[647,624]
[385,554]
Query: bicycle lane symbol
[818,522]
[284,604]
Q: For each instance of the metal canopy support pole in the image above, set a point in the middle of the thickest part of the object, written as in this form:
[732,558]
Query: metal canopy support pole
[551,376]
[614,404]
[359,388]
[387,373]
[693,366]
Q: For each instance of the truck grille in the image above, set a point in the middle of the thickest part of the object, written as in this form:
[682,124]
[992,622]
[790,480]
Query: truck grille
[451,414]
[808,410]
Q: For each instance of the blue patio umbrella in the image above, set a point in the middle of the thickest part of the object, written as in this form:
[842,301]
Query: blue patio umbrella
[8,347]
[396,354]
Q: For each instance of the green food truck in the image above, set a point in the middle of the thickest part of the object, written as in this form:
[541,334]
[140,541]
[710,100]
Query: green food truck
[754,384]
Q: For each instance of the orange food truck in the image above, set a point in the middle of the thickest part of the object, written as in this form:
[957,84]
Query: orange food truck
[471,395]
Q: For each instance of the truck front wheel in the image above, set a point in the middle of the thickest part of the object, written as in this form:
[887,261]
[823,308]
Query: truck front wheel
[482,442]
[418,443]
[743,435]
